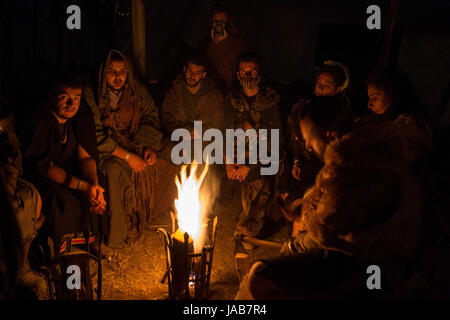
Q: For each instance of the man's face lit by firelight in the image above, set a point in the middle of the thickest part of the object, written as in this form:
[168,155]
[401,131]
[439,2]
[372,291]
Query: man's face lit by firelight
[248,75]
[116,75]
[313,139]
[325,85]
[193,74]
[67,103]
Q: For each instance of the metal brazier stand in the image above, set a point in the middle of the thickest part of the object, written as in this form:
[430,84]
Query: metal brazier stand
[188,274]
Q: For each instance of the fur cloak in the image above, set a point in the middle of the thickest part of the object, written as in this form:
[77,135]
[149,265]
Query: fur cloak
[367,199]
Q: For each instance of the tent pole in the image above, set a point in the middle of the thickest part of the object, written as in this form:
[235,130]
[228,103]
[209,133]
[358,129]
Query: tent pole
[392,14]
[139,42]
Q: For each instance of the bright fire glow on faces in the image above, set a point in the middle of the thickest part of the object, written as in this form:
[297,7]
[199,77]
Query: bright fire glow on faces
[378,101]
[325,85]
[67,103]
[116,74]
[313,140]
[188,205]
[193,74]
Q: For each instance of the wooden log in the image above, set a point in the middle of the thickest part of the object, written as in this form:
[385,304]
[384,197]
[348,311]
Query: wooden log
[259,242]
[156,226]
[181,265]
[242,265]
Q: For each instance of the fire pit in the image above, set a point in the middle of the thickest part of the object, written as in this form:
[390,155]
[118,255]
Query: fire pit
[189,247]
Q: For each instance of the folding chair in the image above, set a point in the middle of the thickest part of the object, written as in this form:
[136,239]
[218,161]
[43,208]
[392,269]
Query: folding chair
[74,250]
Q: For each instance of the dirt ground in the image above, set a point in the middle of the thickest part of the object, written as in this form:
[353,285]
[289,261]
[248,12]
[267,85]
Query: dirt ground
[136,271]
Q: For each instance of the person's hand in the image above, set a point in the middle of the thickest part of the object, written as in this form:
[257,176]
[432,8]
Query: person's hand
[291,211]
[241,173]
[136,163]
[94,194]
[149,156]
[296,172]
[231,169]
[286,249]
[96,209]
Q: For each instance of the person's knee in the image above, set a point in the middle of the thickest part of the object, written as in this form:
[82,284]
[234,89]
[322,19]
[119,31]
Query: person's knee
[259,286]
[255,278]
[113,168]
[38,206]
[247,288]
[40,218]
[110,164]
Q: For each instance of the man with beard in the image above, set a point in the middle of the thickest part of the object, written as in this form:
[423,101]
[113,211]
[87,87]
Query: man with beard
[222,46]
[128,136]
[193,96]
[64,173]
[253,105]
[365,209]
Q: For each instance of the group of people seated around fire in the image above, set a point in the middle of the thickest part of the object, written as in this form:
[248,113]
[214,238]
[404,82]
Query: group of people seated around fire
[93,167]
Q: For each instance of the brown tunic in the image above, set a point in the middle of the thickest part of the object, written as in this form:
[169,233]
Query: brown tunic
[123,121]
[223,58]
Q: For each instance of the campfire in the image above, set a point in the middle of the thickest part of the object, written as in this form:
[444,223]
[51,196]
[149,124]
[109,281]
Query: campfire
[190,245]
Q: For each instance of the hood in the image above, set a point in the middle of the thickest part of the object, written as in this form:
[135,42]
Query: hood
[102,86]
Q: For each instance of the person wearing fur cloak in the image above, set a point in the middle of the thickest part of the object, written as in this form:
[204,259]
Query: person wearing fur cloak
[364,209]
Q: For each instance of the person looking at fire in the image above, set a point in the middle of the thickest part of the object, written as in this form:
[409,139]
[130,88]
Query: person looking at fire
[350,219]
[128,136]
[391,97]
[332,79]
[64,173]
[253,105]
[192,96]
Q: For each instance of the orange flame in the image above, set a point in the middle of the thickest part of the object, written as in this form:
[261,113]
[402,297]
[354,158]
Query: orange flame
[188,205]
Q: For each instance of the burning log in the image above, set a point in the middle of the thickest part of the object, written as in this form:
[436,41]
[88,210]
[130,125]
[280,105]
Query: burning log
[188,274]
[182,247]
[188,253]
[243,263]
[265,243]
